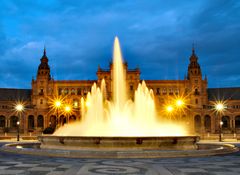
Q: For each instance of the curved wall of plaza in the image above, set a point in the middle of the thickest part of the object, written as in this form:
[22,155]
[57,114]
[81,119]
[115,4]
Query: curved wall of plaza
[199,113]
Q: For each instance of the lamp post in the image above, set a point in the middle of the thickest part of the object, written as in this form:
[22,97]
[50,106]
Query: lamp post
[19,108]
[18,135]
[219,107]
[220,131]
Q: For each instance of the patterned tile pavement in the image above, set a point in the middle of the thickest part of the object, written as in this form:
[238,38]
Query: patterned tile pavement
[37,165]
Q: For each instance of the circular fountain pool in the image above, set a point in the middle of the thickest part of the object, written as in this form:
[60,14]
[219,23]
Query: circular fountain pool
[202,149]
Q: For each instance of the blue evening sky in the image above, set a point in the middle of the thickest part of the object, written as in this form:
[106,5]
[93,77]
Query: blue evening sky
[156,35]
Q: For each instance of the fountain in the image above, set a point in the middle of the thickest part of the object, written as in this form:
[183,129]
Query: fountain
[121,123]
[119,128]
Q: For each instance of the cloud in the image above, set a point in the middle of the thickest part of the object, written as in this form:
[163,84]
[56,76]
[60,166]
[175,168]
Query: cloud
[155,35]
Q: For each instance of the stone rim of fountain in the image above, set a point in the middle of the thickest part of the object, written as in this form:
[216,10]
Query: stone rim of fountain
[207,149]
[119,143]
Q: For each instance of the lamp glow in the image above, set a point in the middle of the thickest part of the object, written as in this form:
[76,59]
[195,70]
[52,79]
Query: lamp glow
[19,107]
[219,106]
[57,103]
[179,103]
[169,108]
[67,108]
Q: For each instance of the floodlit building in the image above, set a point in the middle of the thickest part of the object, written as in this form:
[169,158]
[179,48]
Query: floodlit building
[198,110]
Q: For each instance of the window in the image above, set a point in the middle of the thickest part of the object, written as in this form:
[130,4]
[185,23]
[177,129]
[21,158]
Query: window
[131,87]
[79,91]
[196,92]
[75,103]
[60,91]
[196,101]
[41,101]
[164,91]
[2,121]
[170,91]
[176,91]
[66,91]
[41,91]
[73,91]
[158,91]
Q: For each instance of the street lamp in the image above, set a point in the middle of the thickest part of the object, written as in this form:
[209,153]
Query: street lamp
[68,110]
[219,107]
[169,108]
[220,131]
[179,103]
[18,135]
[57,105]
[19,108]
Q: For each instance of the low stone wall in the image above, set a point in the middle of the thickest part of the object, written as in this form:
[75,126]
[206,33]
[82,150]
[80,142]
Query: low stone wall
[119,143]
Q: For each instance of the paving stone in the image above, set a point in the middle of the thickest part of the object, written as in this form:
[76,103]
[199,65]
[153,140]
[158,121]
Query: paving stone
[41,169]
[200,173]
[38,165]
[55,173]
[11,172]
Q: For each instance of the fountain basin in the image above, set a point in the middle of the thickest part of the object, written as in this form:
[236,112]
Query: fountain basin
[204,149]
[119,143]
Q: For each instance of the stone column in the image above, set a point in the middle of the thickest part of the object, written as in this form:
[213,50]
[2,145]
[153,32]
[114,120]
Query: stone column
[6,121]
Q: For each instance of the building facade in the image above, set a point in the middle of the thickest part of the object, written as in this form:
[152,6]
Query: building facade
[198,112]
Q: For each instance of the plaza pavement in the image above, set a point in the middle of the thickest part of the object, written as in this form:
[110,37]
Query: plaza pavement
[38,165]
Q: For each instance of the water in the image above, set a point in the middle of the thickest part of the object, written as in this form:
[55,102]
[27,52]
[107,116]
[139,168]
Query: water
[121,116]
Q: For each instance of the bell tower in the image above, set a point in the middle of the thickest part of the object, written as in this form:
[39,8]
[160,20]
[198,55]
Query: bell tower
[42,86]
[197,86]
[43,68]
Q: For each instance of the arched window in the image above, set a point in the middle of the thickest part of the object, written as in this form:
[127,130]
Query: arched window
[30,122]
[2,121]
[79,91]
[226,122]
[207,123]
[13,121]
[73,92]
[66,91]
[237,122]
[60,91]
[40,121]
[75,103]
[197,123]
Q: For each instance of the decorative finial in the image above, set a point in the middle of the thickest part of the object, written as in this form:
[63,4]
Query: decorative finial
[44,52]
[193,49]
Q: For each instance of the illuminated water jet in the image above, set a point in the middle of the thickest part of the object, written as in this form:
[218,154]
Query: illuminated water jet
[121,116]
